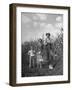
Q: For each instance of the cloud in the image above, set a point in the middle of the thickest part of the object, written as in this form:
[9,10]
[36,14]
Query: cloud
[25,19]
[35,17]
[38,24]
[50,28]
[42,24]
[35,24]
[59,25]
[59,19]
[42,16]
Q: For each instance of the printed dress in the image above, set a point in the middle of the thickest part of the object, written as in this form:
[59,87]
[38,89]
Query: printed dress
[39,57]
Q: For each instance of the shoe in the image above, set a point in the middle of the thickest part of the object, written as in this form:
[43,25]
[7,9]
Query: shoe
[50,66]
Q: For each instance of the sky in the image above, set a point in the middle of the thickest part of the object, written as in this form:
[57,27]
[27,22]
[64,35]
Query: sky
[36,25]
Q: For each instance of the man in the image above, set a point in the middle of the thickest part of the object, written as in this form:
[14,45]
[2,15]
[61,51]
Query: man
[48,45]
[50,54]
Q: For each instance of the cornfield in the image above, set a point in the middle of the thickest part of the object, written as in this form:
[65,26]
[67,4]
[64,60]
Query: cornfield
[57,48]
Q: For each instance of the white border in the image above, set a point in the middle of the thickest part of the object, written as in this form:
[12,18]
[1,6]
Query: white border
[63,77]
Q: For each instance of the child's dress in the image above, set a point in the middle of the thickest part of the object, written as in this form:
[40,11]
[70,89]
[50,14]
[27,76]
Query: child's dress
[39,57]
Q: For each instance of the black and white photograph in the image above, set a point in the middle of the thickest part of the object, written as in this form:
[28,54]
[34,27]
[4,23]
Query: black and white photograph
[41,44]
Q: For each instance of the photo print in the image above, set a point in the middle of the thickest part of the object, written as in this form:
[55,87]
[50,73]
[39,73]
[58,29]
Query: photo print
[41,44]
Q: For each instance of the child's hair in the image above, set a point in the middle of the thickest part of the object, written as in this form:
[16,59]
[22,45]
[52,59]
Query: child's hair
[40,40]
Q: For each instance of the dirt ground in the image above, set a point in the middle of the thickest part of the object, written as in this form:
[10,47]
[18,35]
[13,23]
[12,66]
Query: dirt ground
[44,71]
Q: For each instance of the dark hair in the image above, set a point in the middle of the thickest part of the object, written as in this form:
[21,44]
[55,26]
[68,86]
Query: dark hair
[47,34]
[40,40]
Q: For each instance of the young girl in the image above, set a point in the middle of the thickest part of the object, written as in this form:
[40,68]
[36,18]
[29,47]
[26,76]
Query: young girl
[39,59]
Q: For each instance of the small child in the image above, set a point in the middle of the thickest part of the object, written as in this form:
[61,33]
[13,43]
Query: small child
[39,59]
[31,54]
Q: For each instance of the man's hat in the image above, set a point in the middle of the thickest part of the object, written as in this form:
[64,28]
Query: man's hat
[47,34]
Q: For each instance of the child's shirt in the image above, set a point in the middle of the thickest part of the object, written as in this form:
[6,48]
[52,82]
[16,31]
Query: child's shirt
[39,56]
[31,52]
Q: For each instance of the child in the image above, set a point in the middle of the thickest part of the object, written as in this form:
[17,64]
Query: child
[31,54]
[39,59]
